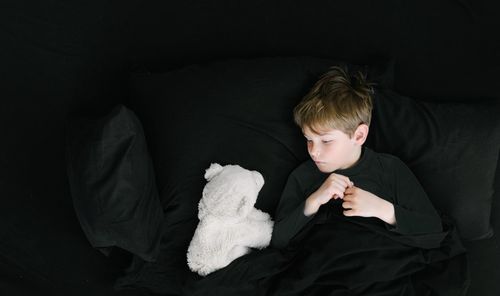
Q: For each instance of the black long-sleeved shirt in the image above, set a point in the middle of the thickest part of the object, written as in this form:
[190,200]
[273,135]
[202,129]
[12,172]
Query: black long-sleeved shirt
[381,174]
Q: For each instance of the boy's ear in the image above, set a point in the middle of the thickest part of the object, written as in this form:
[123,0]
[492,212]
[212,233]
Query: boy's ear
[361,133]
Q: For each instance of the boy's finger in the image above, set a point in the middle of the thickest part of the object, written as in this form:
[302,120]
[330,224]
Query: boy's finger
[337,196]
[349,213]
[345,183]
[350,190]
[344,179]
[347,205]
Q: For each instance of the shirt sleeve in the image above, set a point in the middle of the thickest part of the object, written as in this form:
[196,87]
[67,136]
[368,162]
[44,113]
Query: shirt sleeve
[414,212]
[289,218]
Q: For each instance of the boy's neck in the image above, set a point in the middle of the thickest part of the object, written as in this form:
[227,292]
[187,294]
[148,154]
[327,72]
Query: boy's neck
[356,157]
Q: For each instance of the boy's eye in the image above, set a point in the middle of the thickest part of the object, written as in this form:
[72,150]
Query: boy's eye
[326,141]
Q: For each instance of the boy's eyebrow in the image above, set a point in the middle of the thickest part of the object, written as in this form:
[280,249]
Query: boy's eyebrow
[324,134]
[320,134]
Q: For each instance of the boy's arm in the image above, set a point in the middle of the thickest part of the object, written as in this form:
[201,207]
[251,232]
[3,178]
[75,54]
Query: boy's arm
[294,212]
[289,218]
[415,214]
[411,212]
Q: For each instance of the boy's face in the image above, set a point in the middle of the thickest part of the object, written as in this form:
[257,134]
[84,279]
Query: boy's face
[332,149]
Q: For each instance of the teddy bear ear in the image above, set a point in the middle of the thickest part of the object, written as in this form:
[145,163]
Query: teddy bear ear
[212,171]
[259,180]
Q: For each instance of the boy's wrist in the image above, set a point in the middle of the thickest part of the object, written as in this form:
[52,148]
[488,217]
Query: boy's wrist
[310,206]
[388,214]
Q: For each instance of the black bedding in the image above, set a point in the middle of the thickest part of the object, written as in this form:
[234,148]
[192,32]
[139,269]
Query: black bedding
[330,256]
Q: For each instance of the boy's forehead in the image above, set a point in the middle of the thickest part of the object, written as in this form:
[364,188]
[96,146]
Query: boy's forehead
[324,131]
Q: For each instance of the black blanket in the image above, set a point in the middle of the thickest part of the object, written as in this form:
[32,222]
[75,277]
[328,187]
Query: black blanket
[336,255]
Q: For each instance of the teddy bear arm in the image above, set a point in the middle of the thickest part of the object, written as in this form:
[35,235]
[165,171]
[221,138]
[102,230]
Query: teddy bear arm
[258,215]
[257,234]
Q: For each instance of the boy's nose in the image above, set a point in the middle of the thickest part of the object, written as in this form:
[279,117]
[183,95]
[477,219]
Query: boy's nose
[314,152]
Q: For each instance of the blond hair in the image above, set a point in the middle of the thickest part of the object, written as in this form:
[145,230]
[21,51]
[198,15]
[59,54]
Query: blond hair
[337,101]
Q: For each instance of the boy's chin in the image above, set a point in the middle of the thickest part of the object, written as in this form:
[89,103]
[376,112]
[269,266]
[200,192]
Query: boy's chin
[324,168]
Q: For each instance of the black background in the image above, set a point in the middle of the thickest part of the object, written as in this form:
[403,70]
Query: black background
[65,57]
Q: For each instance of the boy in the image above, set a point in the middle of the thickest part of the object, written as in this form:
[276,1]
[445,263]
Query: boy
[335,118]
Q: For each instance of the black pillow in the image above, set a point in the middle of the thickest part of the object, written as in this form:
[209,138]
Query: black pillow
[113,185]
[451,147]
[236,111]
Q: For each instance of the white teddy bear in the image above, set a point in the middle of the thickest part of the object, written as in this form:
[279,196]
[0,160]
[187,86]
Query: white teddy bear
[229,223]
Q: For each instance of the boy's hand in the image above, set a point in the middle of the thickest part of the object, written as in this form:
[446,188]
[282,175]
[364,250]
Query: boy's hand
[358,202]
[333,187]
